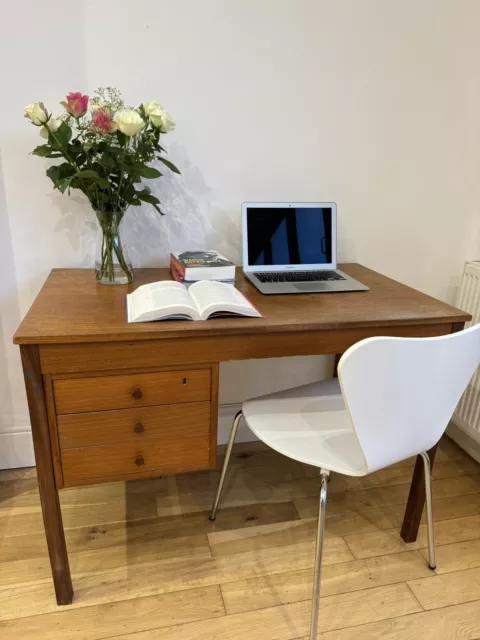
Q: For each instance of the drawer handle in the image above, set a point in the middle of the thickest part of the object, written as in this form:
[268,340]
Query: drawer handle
[184,381]
[139,461]
[137,394]
[138,428]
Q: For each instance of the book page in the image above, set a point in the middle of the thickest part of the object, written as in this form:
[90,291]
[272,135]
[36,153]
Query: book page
[160,300]
[217,297]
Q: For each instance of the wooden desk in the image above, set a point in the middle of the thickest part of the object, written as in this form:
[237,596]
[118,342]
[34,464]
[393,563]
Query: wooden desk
[115,401]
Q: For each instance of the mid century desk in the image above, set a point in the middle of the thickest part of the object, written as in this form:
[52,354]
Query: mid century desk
[115,401]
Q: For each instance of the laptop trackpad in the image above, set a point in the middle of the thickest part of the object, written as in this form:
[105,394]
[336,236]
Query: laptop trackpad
[311,287]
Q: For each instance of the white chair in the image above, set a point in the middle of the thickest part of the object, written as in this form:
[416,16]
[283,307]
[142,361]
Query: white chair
[393,399]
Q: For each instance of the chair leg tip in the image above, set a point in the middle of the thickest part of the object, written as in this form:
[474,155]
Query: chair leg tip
[432,568]
[212,518]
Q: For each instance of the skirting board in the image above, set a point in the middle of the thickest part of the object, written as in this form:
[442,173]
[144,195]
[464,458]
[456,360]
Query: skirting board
[464,440]
[16,450]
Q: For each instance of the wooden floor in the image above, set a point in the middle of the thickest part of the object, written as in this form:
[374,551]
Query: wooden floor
[149,565]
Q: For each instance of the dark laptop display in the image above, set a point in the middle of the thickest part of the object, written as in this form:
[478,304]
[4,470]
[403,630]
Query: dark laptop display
[280,236]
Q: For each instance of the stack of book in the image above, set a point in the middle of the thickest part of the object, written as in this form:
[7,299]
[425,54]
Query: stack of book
[191,266]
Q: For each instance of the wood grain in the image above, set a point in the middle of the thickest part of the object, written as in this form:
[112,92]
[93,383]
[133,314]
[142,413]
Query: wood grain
[454,623]
[53,429]
[168,422]
[215,380]
[133,390]
[52,516]
[129,564]
[458,556]
[71,308]
[119,618]
[125,458]
[273,590]
[292,620]
[447,589]
[379,543]
[77,358]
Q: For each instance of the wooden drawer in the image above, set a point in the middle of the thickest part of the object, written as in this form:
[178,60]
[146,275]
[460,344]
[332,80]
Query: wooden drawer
[174,421]
[128,460]
[76,395]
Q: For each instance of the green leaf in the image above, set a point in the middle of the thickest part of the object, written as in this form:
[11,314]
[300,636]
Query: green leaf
[107,161]
[53,173]
[43,151]
[153,200]
[145,171]
[87,174]
[63,184]
[59,171]
[61,137]
[168,164]
[103,183]
[121,137]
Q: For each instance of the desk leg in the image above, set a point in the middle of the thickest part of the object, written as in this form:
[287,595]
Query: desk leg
[416,498]
[52,516]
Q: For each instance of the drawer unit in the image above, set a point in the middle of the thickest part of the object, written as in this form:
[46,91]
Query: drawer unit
[128,459]
[77,395]
[168,422]
[132,424]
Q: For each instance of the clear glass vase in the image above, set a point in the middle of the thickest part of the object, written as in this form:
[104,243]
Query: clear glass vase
[112,263]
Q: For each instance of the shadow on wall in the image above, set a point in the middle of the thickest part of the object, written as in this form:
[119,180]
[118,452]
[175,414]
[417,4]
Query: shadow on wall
[9,315]
[191,220]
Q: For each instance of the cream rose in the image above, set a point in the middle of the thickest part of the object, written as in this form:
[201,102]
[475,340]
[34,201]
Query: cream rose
[150,106]
[129,122]
[37,113]
[53,125]
[162,120]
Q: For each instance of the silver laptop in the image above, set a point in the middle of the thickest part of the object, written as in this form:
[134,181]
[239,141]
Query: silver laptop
[291,247]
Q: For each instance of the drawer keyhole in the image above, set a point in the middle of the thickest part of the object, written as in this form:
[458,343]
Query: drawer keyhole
[139,461]
[137,394]
[184,381]
[138,427]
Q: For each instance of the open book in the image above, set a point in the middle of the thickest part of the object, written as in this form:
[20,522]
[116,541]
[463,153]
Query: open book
[169,300]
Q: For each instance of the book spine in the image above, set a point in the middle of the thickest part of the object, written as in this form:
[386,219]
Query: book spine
[175,275]
[177,265]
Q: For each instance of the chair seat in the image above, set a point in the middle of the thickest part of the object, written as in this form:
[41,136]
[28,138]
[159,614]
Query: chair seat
[310,424]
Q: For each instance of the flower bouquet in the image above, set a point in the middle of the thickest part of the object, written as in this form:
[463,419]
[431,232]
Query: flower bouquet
[106,155]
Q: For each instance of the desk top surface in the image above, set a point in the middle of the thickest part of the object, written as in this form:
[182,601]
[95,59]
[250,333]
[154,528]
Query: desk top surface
[71,307]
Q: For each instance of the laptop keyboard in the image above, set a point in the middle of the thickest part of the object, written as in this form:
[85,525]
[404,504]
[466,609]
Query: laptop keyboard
[298,276]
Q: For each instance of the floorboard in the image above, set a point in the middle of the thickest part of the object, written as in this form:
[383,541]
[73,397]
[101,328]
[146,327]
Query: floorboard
[148,564]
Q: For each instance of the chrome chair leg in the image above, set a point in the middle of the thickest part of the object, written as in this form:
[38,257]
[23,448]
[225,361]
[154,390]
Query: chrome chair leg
[428,495]
[228,452]
[317,576]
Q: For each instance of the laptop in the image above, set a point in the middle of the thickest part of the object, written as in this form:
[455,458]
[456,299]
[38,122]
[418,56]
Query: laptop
[291,247]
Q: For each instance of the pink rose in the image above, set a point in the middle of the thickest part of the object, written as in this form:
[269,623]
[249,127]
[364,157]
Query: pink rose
[102,121]
[76,104]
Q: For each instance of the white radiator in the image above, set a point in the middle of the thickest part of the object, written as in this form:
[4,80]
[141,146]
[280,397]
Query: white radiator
[466,427]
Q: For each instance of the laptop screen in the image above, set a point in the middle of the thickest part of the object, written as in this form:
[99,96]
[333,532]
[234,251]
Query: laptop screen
[283,236]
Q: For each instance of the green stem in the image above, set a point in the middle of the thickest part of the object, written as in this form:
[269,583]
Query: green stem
[111,246]
[121,171]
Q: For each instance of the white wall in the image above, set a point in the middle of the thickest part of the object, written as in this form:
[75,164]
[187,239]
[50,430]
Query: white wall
[372,104]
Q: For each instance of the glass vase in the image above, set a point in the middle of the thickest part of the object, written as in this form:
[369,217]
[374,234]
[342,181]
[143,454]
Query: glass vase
[112,263]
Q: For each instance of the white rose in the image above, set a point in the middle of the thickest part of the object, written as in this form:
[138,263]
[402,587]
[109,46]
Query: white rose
[150,106]
[52,125]
[129,122]
[162,120]
[37,113]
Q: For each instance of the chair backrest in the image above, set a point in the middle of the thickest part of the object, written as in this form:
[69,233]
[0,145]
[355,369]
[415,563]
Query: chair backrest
[402,392]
